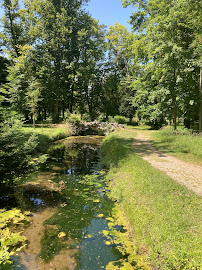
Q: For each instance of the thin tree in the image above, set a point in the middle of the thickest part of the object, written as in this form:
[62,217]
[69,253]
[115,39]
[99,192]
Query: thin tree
[33,98]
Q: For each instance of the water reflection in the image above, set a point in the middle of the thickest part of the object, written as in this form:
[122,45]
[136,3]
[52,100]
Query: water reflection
[75,158]
[68,199]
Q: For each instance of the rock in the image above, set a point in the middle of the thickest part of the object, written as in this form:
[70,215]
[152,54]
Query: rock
[95,128]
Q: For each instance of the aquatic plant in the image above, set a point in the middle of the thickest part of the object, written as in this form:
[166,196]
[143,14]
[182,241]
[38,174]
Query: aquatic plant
[11,242]
[119,236]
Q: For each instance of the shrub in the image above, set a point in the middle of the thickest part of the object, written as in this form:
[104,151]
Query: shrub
[15,149]
[111,119]
[101,118]
[121,119]
[86,117]
[74,119]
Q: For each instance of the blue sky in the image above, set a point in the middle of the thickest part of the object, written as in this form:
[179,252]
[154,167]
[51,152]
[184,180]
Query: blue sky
[110,11]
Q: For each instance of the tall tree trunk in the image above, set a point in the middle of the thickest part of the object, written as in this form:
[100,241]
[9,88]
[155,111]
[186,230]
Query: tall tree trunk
[14,37]
[45,114]
[63,112]
[34,121]
[71,108]
[174,95]
[200,96]
[56,112]
[175,113]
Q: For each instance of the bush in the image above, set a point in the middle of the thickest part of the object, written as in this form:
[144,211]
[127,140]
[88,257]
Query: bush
[74,119]
[134,122]
[120,119]
[86,117]
[101,118]
[15,149]
[111,119]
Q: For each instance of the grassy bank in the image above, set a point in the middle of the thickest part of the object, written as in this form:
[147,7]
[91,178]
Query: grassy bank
[164,216]
[30,149]
[41,138]
[181,144]
[46,134]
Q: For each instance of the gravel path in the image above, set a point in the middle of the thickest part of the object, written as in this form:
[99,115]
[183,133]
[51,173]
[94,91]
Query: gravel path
[185,173]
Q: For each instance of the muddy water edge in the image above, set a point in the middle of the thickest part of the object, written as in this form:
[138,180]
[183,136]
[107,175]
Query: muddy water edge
[69,210]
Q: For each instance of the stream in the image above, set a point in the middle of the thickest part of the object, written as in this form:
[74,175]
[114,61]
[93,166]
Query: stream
[69,210]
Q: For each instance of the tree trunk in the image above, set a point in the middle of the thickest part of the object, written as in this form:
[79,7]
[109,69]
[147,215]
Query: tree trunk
[34,120]
[45,114]
[174,94]
[200,96]
[56,112]
[175,113]
[63,112]
[70,108]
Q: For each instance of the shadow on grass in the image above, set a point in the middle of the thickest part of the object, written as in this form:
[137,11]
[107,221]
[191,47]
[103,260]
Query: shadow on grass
[143,127]
[114,149]
[149,147]
[166,147]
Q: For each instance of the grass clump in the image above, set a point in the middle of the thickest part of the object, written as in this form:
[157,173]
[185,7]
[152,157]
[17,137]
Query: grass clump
[164,216]
[181,143]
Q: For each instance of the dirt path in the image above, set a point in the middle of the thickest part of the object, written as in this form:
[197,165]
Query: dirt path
[185,173]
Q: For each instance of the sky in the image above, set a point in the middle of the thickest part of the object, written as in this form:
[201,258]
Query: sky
[107,11]
[110,11]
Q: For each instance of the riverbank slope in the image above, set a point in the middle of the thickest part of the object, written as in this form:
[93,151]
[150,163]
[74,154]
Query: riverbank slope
[164,216]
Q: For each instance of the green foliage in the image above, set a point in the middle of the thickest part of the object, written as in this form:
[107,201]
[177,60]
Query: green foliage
[164,216]
[120,119]
[111,119]
[74,119]
[11,242]
[11,217]
[166,64]
[3,72]
[15,151]
[33,97]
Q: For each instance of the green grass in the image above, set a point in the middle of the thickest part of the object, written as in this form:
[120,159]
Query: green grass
[52,132]
[182,144]
[163,215]
[46,134]
[141,127]
[114,142]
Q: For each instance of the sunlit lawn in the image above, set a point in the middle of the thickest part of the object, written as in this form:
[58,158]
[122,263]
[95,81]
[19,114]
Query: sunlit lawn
[164,216]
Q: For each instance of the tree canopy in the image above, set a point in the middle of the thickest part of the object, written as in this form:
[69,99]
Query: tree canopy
[151,73]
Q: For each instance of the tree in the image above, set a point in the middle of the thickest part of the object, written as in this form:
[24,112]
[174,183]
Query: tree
[90,68]
[13,28]
[120,44]
[33,97]
[169,31]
